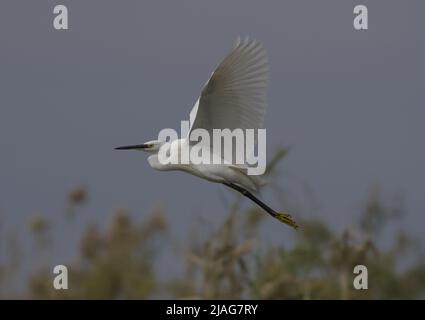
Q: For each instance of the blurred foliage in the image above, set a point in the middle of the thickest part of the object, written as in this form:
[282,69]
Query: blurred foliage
[120,261]
[116,263]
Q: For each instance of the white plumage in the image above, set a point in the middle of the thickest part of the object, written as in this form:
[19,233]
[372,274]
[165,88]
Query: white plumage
[234,97]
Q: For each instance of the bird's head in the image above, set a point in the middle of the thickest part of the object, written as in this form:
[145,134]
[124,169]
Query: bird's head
[152,146]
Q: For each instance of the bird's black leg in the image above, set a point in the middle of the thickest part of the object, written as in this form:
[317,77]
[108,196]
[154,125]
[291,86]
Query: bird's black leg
[283,217]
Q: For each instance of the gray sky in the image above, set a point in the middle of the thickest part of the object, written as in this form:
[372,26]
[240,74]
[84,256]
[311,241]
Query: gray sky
[350,103]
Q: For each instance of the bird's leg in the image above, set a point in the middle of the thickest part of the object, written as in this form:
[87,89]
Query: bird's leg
[283,217]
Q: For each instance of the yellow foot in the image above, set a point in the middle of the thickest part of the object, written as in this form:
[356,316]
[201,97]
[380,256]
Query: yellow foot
[286,218]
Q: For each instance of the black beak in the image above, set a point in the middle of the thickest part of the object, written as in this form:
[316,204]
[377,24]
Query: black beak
[133,147]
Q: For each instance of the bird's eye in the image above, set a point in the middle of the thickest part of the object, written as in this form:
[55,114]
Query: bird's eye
[150,145]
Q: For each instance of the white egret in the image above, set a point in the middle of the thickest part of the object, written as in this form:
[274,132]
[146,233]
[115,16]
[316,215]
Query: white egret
[234,97]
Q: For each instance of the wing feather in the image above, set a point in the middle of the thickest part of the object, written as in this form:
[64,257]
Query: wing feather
[235,95]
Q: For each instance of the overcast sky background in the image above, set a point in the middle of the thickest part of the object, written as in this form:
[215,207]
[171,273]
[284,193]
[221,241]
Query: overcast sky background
[349,103]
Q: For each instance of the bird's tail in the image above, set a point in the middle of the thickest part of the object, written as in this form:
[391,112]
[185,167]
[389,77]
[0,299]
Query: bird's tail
[256,182]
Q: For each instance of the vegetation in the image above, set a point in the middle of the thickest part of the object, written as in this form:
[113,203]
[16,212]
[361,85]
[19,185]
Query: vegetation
[119,262]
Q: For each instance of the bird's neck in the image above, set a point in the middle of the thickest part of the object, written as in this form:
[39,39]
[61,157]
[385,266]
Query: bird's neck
[157,165]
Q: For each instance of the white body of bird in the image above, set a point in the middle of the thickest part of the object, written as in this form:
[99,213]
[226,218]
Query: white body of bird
[207,169]
[234,97]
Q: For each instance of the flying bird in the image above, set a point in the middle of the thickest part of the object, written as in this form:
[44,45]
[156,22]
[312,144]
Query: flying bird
[233,97]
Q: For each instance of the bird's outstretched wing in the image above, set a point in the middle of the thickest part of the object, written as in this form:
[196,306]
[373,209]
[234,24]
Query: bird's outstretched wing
[235,95]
